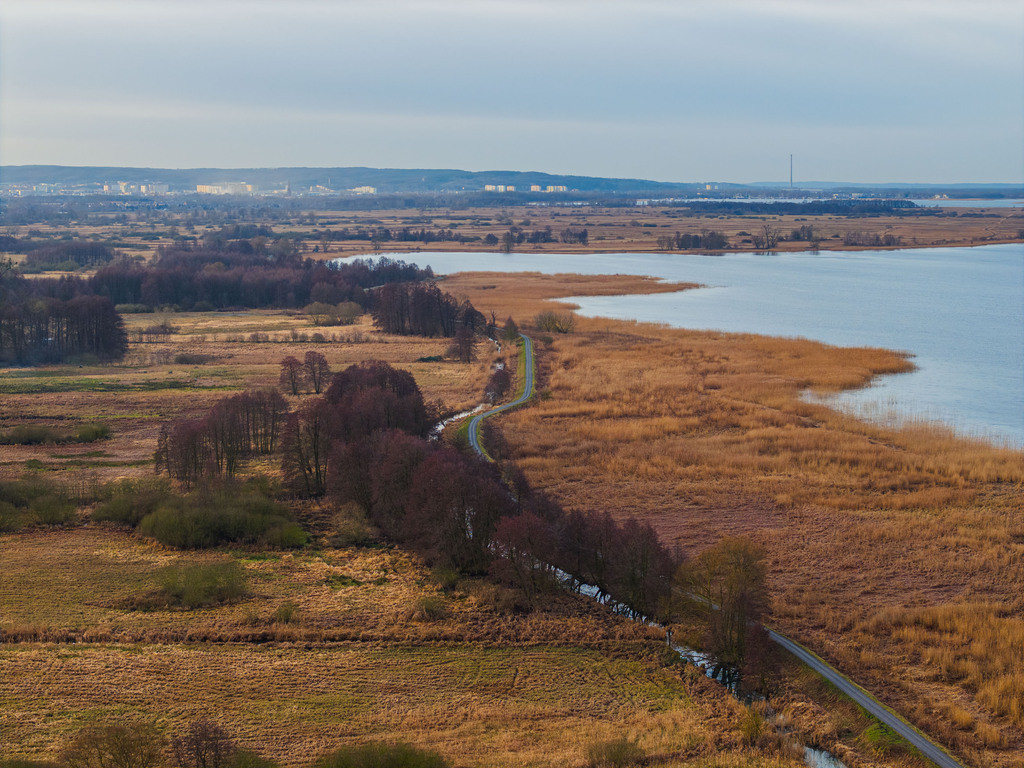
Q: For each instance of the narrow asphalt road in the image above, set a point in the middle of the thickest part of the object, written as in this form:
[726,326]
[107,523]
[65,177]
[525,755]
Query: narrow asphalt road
[474,423]
[868,702]
[859,696]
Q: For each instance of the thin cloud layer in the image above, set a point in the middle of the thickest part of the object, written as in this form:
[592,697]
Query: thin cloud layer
[682,91]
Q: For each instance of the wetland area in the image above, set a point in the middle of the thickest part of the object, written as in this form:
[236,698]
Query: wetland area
[959,312]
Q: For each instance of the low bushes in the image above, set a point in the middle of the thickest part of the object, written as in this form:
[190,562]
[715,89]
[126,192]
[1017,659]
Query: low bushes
[128,501]
[555,322]
[228,514]
[618,753]
[193,358]
[377,755]
[33,501]
[195,586]
[37,434]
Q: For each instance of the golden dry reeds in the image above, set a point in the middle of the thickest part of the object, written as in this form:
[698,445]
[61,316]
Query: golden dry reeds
[707,434]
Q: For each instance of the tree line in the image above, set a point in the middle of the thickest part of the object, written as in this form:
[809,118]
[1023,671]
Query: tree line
[218,279]
[364,442]
[49,321]
[854,207]
[709,240]
[363,446]
[423,309]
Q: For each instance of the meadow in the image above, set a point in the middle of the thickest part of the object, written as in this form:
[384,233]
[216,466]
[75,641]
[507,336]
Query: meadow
[634,229]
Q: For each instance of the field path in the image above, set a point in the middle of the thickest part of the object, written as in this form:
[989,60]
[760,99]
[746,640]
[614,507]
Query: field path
[528,386]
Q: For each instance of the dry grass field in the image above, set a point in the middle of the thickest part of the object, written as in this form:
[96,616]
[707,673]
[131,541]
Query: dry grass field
[355,661]
[372,649]
[327,646]
[610,230]
[897,553]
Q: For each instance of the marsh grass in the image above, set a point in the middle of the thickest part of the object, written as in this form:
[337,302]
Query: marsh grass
[203,584]
[869,527]
[516,707]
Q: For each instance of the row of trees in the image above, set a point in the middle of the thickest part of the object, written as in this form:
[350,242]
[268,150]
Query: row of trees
[361,400]
[517,236]
[364,442]
[872,239]
[45,321]
[312,373]
[858,207]
[219,278]
[237,427]
[423,309]
[709,240]
[364,446]
[70,255]
[384,235]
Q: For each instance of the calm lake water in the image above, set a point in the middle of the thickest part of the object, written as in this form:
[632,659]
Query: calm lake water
[959,311]
[957,203]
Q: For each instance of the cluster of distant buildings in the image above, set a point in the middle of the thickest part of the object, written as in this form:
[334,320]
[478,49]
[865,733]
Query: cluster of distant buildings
[533,188]
[159,188]
[151,189]
[131,188]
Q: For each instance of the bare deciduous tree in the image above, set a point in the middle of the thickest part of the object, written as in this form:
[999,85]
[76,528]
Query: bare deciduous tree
[291,374]
[204,745]
[317,370]
[138,745]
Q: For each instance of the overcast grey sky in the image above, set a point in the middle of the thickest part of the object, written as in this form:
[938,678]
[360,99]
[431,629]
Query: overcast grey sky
[674,90]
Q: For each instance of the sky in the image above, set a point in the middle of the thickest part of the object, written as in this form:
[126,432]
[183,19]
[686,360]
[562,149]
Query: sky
[867,91]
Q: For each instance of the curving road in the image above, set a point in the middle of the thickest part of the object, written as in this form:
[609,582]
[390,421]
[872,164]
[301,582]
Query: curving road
[858,695]
[474,423]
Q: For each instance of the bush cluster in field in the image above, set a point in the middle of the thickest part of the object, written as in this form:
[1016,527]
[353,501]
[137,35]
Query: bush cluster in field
[33,500]
[198,585]
[216,513]
[37,434]
[205,744]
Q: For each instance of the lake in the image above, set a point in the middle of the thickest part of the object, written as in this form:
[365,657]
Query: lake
[973,203]
[959,311]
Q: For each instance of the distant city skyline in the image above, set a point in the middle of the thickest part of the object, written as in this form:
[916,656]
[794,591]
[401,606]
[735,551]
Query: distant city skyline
[703,90]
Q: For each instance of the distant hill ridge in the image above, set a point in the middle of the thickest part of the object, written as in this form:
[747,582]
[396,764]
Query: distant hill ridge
[429,180]
[385,180]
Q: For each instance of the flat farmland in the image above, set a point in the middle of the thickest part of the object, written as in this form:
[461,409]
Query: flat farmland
[634,229]
[531,706]
[354,662]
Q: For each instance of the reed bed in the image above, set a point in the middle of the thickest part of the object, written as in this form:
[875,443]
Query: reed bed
[706,434]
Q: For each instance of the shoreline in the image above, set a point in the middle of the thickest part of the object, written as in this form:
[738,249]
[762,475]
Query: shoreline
[945,409]
[589,251]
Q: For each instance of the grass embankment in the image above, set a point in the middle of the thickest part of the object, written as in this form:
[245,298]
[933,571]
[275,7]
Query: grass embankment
[896,553]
